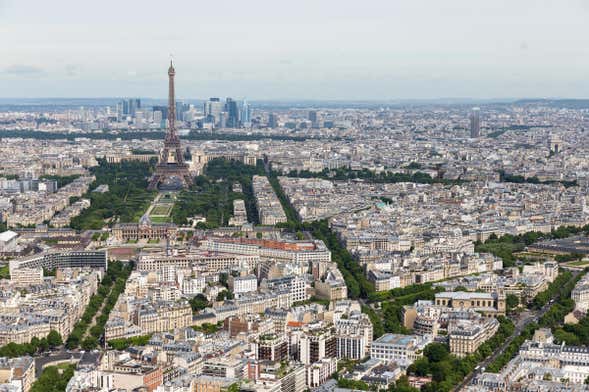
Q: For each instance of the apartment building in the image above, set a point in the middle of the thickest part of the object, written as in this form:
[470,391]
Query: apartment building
[321,371]
[316,344]
[271,347]
[17,372]
[60,260]
[466,335]
[215,261]
[296,286]
[297,251]
[269,208]
[580,294]
[163,316]
[354,336]
[242,284]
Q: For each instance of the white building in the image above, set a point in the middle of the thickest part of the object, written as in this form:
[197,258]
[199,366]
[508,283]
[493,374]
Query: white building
[404,349]
[354,336]
[319,372]
[580,294]
[295,285]
[8,241]
[243,284]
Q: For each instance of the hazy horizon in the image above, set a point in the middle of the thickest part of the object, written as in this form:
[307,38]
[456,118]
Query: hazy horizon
[304,50]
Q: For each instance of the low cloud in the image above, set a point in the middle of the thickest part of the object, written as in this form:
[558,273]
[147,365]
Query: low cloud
[23,70]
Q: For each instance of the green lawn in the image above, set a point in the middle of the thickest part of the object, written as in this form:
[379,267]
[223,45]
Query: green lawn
[579,263]
[161,210]
[160,219]
[4,272]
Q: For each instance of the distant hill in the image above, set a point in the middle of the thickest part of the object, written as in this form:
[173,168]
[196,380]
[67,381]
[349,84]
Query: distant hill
[558,103]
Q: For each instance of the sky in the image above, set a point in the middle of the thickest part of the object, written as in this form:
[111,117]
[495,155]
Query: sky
[296,49]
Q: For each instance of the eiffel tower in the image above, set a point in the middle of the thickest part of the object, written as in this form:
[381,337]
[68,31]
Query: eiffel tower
[171,172]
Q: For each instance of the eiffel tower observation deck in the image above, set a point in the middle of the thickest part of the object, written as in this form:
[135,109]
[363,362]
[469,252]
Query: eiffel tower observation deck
[171,172]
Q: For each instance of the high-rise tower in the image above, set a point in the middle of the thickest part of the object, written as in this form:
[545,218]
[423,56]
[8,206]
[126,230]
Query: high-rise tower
[171,171]
[475,123]
[246,114]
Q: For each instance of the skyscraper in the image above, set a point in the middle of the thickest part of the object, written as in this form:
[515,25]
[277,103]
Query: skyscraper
[158,117]
[163,110]
[475,123]
[272,121]
[232,110]
[134,105]
[128,107]
[246,114]
[125,107]
[212,110]
[181,108]
[120,113]
[314,118]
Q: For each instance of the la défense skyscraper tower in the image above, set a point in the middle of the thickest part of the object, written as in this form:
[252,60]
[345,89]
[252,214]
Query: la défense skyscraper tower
[171,172]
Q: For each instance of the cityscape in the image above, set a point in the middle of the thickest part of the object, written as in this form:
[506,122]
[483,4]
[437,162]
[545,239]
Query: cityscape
[246,243]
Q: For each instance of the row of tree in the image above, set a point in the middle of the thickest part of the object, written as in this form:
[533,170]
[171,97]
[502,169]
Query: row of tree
[35,346]
[386,177]
[126,134]
[505,177]
[553,288]
[125,343]
[109,290]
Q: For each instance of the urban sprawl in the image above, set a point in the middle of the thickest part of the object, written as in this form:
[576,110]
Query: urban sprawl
[379,247]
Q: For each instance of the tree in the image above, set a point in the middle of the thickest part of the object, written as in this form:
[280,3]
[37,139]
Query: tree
[223,276]
[54,339]
[233,387]
[511,301]
[43,345]
[420,367]
[53,380]
[199,302]
[436,352]
[223,295]
[89,343]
